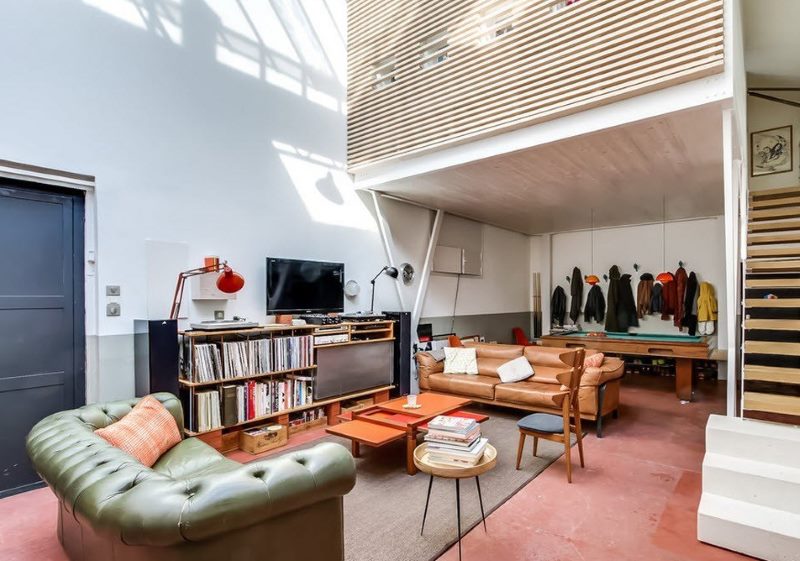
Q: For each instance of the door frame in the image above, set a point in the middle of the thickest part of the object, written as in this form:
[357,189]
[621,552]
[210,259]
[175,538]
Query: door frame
[78,205]
[66,182]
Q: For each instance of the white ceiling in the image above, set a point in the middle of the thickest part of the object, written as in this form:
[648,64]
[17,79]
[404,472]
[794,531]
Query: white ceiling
[619,175]
[772,42]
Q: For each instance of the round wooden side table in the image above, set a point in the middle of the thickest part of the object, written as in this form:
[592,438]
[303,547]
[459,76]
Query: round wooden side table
[421,460]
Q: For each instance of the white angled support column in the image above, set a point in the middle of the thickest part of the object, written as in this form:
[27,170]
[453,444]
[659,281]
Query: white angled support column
[425,275]
[388,244]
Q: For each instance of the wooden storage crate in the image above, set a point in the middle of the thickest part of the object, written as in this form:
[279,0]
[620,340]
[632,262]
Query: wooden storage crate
[300,427]
[263,441]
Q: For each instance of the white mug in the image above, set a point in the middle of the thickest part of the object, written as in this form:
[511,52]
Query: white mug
[411,400]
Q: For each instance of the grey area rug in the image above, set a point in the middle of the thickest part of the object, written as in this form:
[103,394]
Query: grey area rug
[383,513]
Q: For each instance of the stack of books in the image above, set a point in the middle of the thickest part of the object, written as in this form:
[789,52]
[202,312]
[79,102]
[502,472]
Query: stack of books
[455,441]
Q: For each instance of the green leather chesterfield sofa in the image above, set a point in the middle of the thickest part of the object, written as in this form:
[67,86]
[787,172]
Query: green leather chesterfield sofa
[193,504]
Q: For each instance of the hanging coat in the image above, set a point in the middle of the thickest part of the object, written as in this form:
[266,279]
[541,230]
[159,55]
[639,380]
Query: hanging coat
[669,296]
[644,295]
[706,303]
[558,306]
[595,309]
[689,310]
[680,295]
[626,306]
[576,293]
[657,299]
[612,323]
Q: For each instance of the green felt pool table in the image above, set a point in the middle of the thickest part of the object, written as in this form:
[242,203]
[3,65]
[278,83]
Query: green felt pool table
[682,348]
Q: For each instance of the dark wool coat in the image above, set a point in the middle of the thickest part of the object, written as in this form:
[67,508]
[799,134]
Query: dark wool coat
[576,293]
[680,295]
[689,308]
[595,309]
[644,295]
[657,299]
[612,322]
[558,306]
[626,306]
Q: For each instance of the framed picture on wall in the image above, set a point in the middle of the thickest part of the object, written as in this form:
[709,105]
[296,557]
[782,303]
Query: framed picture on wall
[771,151]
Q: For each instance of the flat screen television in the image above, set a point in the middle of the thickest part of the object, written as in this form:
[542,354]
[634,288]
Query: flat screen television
[296,286]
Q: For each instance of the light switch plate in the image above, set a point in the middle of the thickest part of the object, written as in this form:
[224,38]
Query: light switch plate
[112,290]
[113,309]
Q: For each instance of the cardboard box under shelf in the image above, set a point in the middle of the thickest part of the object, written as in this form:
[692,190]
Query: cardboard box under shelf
[267,440]
[359,404]
[300,427]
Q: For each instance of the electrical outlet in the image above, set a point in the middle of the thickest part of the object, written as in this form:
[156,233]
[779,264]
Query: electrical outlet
[113,309]
[219,315]
[112,290]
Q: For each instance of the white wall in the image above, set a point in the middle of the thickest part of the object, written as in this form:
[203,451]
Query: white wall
[762,115]
[236,153]
[700,244]
[504,286]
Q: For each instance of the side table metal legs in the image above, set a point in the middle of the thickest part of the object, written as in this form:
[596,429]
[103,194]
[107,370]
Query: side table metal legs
[427,502]
[480,500]
[458,508]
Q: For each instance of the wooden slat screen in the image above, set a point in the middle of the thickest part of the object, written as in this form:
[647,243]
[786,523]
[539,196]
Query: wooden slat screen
[511,63]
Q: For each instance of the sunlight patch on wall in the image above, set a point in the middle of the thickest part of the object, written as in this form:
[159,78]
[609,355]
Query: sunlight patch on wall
[162,18]
[325,189]
[126,10]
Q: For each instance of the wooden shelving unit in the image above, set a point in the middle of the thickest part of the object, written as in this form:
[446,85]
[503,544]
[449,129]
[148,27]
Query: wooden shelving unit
[226,438]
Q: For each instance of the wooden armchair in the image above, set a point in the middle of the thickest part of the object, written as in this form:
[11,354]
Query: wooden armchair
[558,428]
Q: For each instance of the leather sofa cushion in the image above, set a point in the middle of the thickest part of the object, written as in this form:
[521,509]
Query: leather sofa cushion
[494,350]
[193,457]
[461,384]
[537,394]
[549,356]
[552,374]
[489,366]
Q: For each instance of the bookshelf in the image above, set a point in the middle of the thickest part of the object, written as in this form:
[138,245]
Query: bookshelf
[232,380]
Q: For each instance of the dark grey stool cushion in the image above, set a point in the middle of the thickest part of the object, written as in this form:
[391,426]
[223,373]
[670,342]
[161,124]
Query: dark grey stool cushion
[543,422]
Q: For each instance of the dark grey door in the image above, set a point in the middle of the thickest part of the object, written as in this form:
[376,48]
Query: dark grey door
[41,318]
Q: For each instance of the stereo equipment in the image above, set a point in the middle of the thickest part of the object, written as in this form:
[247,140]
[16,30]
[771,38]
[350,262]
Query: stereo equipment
[362,316]
[321,319]
[331,339]
[222,324]
[155,356]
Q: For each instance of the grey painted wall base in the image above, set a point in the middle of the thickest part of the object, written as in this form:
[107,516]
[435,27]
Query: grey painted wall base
[494,327]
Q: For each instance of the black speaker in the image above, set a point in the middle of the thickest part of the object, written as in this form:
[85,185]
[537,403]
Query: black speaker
[402,352]
[155,356]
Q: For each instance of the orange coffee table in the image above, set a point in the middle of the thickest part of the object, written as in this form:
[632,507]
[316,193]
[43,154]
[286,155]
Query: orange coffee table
[389,421]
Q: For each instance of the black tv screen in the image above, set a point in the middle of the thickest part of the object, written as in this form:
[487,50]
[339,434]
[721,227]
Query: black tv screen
[295,286]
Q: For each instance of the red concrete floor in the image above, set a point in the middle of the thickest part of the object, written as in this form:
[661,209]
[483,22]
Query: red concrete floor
[636,500]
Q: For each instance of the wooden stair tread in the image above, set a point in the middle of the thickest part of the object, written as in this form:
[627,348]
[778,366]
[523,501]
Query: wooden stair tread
[776,213]
[775,202]
[785,265]
[772,374]
[773,324]
[772,303]
[772,348]
[764,240]
[774,252]
[783,404]
[771,283]
[777,226]
[777,192]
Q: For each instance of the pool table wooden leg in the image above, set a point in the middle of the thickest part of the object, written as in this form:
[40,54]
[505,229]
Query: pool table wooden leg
[683,378]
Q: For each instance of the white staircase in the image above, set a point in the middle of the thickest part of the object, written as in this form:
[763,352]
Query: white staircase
[751,488]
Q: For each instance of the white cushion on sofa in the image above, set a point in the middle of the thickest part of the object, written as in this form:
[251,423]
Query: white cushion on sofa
[460,360]
[515,370]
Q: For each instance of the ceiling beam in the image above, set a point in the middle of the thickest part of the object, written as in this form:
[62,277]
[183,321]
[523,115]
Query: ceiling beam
[773,98]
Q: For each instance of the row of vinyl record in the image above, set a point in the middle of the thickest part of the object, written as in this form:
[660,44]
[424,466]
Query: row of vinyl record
[239,403]
[236,359]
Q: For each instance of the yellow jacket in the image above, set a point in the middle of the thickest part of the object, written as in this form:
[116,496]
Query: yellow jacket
[706,303]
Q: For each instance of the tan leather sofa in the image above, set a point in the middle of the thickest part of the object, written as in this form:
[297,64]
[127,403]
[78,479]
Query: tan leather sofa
[552,366]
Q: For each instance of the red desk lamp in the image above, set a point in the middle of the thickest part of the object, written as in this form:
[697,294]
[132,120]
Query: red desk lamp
[228,282]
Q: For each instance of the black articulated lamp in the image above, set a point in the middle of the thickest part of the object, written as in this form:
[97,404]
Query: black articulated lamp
[392,272]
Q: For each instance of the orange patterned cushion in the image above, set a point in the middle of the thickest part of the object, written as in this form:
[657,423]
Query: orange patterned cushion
[145,433]
[596,360]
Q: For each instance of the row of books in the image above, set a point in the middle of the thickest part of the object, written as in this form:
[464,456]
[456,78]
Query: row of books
[207,411]
[455,441]
[243,402]
[307,416]
[237,359]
